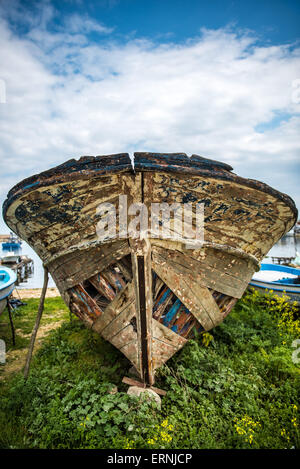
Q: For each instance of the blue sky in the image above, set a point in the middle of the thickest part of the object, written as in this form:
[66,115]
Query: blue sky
[274,21]
[216,78]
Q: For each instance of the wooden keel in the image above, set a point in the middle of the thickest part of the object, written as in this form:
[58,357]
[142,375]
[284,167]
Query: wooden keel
[142,278]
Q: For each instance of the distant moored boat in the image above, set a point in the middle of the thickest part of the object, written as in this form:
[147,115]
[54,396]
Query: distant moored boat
[282,280]
[7,285]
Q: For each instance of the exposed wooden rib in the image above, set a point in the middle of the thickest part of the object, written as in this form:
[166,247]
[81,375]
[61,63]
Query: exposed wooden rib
[184,317]
[114,279]
[102,286]
[125,270]
[158,284]
[162,301]
[86,305]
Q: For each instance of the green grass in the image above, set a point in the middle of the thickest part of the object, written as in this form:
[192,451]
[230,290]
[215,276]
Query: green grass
[24,319]
[238,390]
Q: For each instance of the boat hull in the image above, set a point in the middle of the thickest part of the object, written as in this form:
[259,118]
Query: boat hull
[148,295]
[292,295]
[7,285]
[291,291]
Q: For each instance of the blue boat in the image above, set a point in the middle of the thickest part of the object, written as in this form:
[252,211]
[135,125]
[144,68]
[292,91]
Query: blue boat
[8,279]
[12,243]
[282,280]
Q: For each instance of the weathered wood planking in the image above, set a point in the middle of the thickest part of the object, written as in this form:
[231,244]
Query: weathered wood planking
[82,264]
[48,228]
[123,300]
[147,296]
[234,214]
[87,306]
[204,275]
[117,324]
[102,286]
[197,299]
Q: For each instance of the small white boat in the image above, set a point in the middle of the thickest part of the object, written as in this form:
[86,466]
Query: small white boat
[7,284]
[282,280]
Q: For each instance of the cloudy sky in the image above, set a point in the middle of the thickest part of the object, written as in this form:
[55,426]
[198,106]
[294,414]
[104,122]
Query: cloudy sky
[219,78]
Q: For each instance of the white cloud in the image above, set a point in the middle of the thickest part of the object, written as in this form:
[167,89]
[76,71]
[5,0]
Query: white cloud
[78,24]
[67,96]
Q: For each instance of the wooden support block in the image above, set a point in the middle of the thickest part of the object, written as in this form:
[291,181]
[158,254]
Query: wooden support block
[133,382]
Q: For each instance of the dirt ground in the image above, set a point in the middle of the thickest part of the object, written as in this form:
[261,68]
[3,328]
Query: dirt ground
[15,359]
[34,292]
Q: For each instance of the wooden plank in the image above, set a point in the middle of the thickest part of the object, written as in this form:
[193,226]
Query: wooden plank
[113,278]
[235,214]
[83,305]
[164,334]
[142,278]
[130,350]
[122,301]
[196,298]
[102,286]
[118,324]
[203,274]
[124,270]
[134,382]
[161,352]
[124,336]
[211,256]
[83,264]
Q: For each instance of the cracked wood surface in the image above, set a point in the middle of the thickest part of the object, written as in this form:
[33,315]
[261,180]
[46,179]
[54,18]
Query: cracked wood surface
[146,297]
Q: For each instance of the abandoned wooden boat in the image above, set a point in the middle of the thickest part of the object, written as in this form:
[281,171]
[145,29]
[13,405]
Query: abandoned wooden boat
[7,284]
[148,295]
[281,279]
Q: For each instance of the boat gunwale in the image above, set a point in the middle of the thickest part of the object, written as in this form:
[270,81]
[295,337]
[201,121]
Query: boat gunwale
[143,161]
[283,289]
[197,165]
